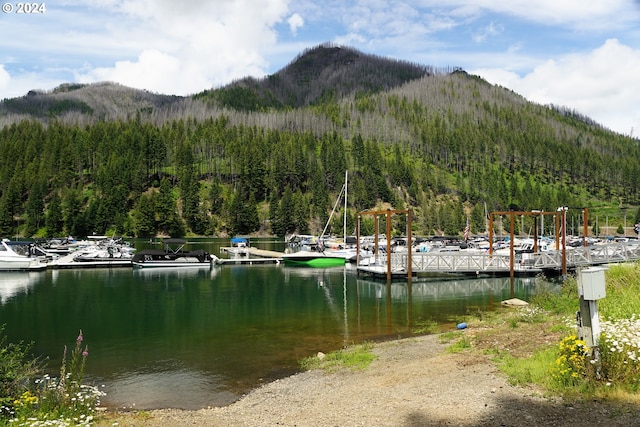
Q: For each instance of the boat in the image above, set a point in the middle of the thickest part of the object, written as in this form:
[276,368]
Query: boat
[20,256]
[239,246]
[313,259]
[173,255]
[320,255]
[107,252]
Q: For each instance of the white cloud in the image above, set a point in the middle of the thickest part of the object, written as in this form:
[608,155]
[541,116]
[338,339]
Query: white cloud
[4,79]
[152,70]
[601,84]
[170,47]
[574,13]
[295,21]
[490,30]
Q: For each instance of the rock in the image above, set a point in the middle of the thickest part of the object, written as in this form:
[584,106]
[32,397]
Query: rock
[514,302]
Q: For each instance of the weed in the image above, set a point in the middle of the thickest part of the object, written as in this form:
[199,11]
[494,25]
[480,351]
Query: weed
[447,337]
[463,343]
[425,327]
[58,401]
[355,357]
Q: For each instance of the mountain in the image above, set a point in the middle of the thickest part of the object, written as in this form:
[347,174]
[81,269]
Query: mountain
[320,74]
[73,102]
[271,153]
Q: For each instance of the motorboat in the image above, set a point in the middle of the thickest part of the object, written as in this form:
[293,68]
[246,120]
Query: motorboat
[20,256]
[314,259]
[107,252]
[239,246]
[173,255]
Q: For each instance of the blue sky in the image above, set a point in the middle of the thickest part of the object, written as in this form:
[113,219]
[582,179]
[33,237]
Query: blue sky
[584,55]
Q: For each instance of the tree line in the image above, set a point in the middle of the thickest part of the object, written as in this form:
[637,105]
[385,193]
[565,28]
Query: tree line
[449,146]
[211,177]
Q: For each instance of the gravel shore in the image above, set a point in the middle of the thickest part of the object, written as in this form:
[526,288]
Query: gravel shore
[413,382]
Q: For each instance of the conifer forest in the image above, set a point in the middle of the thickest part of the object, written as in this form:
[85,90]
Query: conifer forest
[268,156]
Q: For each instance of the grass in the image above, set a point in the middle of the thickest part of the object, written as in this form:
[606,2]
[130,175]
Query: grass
[424,327]
[461,344]
[357,357]
[533,370]
[537,345]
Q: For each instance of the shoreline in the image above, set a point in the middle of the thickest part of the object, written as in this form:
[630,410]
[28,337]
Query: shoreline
[413,382]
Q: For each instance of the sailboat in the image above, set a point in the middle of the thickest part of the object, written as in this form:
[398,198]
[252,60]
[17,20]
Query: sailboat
[323,257]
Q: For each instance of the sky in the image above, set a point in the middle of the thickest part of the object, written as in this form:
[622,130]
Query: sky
[582,55]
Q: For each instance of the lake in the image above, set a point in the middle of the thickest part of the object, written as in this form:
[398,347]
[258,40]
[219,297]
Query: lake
[189,339]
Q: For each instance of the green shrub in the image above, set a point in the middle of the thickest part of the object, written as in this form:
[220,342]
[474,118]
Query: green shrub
[60,401]
[16,371]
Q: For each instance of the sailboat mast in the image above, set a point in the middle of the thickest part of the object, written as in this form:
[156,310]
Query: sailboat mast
[344,229]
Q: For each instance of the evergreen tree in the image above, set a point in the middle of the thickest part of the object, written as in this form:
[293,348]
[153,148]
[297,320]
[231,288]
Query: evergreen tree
[72,213]
[35,207]
[54,220]
[167,211]
[144,212]
[285,218]
[6,219]
[300,213]
[244,212]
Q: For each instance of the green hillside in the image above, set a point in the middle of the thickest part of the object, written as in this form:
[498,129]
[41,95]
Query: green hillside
[269,155]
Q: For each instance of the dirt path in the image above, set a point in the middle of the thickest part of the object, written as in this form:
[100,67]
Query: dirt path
[413,382]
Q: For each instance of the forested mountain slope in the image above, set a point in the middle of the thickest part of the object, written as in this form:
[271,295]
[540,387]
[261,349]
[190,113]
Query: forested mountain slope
[269,155]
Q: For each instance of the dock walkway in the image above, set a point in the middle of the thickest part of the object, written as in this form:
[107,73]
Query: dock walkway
[474,263]
[254,256]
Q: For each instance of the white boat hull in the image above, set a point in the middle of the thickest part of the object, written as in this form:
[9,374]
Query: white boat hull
[172,264]
[21,264]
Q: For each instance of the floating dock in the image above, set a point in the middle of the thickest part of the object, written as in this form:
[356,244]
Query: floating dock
[247,261]
[254,256]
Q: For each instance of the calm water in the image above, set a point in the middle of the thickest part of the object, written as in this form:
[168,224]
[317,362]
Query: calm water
[196,338]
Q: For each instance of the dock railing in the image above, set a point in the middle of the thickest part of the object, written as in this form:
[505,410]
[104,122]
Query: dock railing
[473,262]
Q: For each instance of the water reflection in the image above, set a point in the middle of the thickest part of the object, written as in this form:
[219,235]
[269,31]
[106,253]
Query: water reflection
[192,338]
[447,289]
[13,283]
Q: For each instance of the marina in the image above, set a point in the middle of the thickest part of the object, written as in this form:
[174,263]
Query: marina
[381,264]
